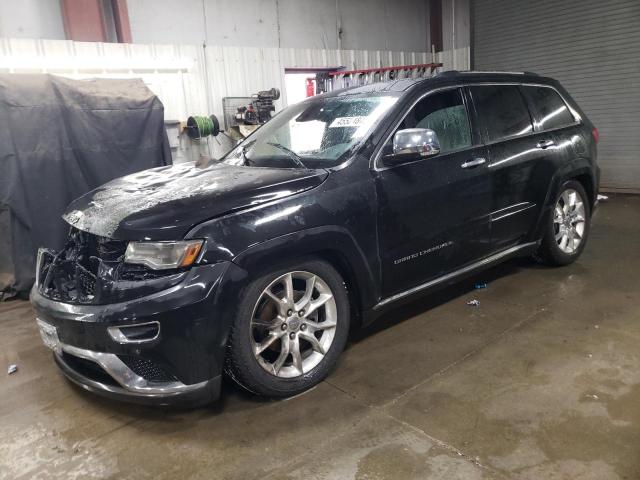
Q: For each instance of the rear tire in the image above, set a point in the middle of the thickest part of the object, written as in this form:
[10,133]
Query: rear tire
[567,226]
[291,325]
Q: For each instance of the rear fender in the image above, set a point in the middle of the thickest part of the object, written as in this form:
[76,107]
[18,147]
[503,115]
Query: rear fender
[577,168]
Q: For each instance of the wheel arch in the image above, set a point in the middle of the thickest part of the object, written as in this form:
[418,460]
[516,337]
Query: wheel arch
[587,182]
[579,170]
[333,244]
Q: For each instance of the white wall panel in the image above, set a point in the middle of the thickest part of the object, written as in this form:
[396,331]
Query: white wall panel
[175,73]
[322,24]
[308,23]
[455,24]
[190,79]
[247,22]
[167,21]
[31,19]
[383,25]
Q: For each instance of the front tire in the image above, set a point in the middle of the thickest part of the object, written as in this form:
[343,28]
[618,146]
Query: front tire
[567,227]
[291,325]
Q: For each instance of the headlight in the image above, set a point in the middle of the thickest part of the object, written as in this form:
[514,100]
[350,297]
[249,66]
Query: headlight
[162,255]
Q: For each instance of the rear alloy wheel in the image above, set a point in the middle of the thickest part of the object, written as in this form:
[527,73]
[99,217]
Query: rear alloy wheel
[569,221]
[289,330]
[568,228]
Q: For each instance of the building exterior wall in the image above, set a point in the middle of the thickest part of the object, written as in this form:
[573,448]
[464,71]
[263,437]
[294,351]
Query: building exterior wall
[31,19]
[592,47]
[455,24]
[192,80]
[320,24]
[348,24]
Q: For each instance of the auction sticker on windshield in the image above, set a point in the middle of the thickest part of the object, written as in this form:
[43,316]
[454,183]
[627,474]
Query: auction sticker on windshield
[347,122]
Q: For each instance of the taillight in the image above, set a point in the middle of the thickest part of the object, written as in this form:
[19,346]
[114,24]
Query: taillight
[596,134]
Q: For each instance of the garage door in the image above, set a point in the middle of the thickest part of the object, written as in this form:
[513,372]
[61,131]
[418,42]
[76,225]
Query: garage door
[592,47]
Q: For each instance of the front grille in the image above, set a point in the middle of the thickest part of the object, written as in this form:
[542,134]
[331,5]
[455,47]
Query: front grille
[87,271]
[71,275]
[147,369]
[88,369]
[86,282]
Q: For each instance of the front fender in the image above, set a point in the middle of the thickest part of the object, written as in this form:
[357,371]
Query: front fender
[335,221]
[332,242]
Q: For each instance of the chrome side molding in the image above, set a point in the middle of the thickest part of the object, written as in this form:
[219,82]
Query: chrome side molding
[452,275]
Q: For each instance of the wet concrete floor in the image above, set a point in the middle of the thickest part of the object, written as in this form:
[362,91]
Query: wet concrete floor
[541,381]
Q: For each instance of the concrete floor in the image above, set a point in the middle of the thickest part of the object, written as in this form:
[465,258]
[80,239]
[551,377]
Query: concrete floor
[541,381]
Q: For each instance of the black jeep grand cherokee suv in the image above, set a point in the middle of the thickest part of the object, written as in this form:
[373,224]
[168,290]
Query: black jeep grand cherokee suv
[339,207]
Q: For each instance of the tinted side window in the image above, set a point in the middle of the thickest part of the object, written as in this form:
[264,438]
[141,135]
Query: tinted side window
[549,108]
[445,114]
[502,111]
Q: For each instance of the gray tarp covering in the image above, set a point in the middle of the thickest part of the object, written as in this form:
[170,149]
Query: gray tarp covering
[60,138]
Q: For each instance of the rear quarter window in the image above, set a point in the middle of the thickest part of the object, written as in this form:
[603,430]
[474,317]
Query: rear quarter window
[549,109]
[502,111]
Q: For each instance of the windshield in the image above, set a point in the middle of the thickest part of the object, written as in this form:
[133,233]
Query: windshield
[312,134]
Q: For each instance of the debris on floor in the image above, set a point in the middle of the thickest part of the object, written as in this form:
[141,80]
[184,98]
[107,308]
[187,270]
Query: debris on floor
[478,286]
[13,368]
[474,303]
[592,396]
[602,198]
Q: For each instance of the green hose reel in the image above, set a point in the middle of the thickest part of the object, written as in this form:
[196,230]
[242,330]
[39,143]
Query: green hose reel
[200,127]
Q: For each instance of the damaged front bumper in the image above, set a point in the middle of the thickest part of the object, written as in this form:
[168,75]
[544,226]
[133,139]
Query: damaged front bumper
[130,386]
[172,351]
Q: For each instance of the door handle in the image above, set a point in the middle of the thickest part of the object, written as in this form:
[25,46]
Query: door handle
[473,163]
[545,144]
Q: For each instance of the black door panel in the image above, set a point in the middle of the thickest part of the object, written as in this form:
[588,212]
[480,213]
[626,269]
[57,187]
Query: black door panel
[521,172]
[519,162]
[434,212]
[433,216]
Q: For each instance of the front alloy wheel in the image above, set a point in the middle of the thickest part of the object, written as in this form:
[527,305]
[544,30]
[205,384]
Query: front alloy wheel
[293,324]
[289,329]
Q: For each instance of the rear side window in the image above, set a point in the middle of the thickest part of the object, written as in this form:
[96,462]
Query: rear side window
[549,109]
[502,111]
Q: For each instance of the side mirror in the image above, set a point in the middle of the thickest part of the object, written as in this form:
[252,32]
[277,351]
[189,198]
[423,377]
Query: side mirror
[413,143]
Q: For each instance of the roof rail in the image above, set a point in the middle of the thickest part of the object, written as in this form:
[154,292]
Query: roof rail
[480,72]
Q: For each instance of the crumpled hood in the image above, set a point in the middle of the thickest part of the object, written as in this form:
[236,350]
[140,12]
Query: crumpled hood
[164,203]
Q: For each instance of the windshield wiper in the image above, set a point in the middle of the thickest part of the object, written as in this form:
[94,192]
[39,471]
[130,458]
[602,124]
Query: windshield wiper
[290,153]
[245,160]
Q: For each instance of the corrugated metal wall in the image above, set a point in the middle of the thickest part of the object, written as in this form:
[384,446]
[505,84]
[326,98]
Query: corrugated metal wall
[191,80]
[592,47]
